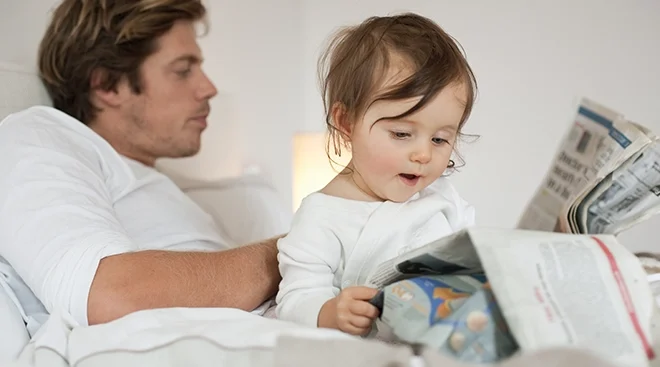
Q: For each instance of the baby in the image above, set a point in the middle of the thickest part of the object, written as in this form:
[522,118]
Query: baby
[397,92]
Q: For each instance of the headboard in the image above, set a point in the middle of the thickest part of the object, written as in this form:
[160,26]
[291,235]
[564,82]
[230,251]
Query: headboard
[20,88]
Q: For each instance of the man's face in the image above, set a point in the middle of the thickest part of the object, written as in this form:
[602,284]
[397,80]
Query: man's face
[167,118]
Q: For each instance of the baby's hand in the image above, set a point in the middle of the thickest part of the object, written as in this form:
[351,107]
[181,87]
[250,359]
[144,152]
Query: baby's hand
[350,311]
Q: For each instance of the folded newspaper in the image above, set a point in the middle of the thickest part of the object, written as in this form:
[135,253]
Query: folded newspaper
[485,295]
[604,179]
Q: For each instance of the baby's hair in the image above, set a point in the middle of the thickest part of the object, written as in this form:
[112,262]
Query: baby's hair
[357,60]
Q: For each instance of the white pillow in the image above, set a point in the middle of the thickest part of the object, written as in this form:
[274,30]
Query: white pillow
[246,208]
[13,332]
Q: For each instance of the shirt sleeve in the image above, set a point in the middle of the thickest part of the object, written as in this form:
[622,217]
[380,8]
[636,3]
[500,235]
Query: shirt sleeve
[56,216]
[308,258]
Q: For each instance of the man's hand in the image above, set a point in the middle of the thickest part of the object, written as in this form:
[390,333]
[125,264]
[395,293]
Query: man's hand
[350,311]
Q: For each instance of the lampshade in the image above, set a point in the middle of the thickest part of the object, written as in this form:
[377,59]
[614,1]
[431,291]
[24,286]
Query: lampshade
[312,169]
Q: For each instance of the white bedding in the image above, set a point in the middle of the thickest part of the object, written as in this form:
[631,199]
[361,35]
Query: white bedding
[229,337]
[13,333]
[165,337]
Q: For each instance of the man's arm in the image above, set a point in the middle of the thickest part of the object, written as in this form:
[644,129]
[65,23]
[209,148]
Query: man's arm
[239,278]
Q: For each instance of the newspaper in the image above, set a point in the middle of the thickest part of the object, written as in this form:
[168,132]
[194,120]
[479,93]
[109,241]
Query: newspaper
[651,263]
[604,179]
[654,281]
[632,195]
[484,295]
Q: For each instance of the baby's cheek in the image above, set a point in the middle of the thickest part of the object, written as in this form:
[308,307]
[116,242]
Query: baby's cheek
[386,162]
[441,159]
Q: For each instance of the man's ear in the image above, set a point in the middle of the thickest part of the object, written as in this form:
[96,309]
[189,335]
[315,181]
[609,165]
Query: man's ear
[341,120]
[99,92]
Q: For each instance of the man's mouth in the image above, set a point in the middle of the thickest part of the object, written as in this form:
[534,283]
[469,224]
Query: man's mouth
[409,179]
[201,119]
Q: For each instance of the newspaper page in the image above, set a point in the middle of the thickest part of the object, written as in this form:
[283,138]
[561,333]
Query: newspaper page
[439,297]
[575,221]
[598,141]
[654,281]
[633,195]
[637,174]
[580,209]
[567,289]
[456,315]
[512,291]
[452,254]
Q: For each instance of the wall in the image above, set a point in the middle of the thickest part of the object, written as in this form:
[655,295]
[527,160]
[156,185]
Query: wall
[533,61]
[22,24]
[254,59]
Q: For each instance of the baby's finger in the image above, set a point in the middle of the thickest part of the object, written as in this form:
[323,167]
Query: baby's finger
[361,322]
[364,309]
[361,293]
[352,329]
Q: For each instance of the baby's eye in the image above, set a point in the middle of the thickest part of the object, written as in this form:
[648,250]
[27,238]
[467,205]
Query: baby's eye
[399,134]
[438,141]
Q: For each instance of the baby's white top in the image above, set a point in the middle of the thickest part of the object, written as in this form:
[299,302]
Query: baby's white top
[335,242]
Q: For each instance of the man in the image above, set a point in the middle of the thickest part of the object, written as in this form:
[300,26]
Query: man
[85,220]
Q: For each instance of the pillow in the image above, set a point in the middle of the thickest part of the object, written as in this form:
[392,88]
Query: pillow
[246,208]
[13,332]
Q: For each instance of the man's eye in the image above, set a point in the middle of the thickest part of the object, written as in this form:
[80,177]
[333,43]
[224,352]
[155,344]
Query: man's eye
[183,73]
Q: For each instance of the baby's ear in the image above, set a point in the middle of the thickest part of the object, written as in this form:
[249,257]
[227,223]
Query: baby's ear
[341,120]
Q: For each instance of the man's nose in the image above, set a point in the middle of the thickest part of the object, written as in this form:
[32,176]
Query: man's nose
[207,89]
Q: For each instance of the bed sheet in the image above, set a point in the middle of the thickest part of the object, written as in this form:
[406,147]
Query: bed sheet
[230,337]
[13,333]
[165,337]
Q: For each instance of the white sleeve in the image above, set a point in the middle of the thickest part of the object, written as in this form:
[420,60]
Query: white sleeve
[308,257]
[56,216]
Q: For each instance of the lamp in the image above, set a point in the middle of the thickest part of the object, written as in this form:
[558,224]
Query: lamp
[312,169]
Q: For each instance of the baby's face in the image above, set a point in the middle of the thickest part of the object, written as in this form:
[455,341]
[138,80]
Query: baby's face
[397,158]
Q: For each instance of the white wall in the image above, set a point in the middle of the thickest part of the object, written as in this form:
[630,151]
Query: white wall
[533,61]
[253,54]
[22,24]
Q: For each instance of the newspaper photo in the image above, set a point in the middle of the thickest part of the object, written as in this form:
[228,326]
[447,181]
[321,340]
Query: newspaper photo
[496,293]
[595,161]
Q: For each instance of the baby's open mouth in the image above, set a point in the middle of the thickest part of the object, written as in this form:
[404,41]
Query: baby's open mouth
[408,179]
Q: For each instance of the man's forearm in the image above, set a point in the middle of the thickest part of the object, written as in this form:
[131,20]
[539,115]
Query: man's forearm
[239,278]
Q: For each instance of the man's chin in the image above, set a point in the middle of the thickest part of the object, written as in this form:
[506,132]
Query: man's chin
[189,154]
[184,153]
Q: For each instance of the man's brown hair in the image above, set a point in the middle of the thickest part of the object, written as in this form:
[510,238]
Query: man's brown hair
[358,57]
[109,37]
